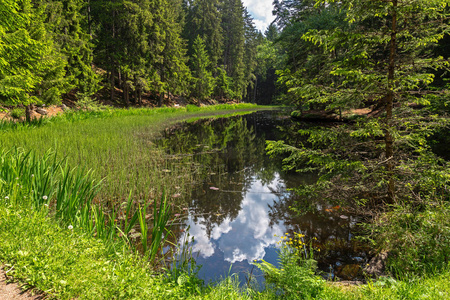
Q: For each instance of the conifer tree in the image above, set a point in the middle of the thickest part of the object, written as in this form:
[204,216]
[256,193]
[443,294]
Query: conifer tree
[251,44]
[233,26]
[381,57]
[173,69]
[68,26]
[203,81]
[203,19]
[32,69]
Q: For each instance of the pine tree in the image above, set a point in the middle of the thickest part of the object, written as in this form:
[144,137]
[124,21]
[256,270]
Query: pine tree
[32,69]
[203,80]
[233,26]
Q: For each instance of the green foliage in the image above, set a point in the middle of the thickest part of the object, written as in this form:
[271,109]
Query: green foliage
[358,60]
[31,68]
[417,239]
[203,81]
[17,113]
[87,103]
[233,26]
[296,278]
[203,19]
[223,84]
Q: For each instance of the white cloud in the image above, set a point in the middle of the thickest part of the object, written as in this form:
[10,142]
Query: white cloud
[261,11]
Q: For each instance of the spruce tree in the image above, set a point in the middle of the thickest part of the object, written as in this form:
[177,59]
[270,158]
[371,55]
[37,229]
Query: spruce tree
[67,22]
[32,69]
[251,44]
[381,58]
[203,19]
[203,81]
[233,26]
[174,72]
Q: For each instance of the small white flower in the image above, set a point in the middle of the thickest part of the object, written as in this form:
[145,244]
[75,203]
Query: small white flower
[17,178]
[70,227]
[44,197]
[46,205]
[6,197]
[32,175]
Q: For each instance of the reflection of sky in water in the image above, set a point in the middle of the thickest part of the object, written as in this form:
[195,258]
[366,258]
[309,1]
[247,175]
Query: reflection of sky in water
[242,240]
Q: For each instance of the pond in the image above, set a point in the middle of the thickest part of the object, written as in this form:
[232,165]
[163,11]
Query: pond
[239,206]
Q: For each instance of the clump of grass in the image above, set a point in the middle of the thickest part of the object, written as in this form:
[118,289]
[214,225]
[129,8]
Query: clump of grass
[418,239]
[68,194]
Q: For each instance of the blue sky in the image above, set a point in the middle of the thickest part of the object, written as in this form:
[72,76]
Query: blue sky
[261,10]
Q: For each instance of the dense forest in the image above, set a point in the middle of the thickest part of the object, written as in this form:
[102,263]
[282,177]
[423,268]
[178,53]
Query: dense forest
[196,49]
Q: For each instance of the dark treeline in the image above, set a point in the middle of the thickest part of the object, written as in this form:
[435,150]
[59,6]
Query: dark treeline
[191,48]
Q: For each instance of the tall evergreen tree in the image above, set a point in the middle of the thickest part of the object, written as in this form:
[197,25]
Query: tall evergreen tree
[173,69]
[66,20]
[32,69]
[203,80]
[252,40]
[233,26]
[381,57]
[203,19]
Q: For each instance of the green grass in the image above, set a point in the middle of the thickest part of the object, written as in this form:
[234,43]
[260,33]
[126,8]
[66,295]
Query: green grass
[116,144]
[70,264]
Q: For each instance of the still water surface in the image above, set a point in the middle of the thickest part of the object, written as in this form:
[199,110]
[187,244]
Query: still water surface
[240,205]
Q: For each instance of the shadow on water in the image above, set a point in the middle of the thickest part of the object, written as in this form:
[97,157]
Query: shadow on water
[240,205]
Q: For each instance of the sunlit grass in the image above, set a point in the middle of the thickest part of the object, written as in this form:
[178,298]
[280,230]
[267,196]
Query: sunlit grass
[116,144]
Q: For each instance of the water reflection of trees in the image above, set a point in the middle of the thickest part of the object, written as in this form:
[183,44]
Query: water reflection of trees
[229,155]
[327,227]
[226,153]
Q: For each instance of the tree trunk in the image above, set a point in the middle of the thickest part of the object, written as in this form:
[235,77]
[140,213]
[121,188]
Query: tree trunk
[139,95]
[126,92]
[389,105]
[113,74]
[119,79]
[161,95]
[255,89]
[28,110]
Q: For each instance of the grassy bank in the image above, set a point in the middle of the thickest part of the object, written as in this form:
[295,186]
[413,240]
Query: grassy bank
[69,264]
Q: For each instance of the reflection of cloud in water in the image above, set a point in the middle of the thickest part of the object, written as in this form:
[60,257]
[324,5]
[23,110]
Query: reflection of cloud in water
[202,243]
[246,237]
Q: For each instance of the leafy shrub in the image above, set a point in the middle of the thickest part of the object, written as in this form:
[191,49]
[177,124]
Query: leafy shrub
[296,279]
[17,113]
